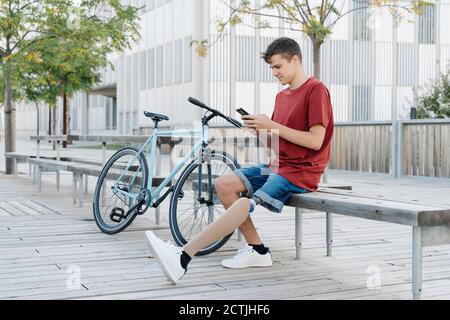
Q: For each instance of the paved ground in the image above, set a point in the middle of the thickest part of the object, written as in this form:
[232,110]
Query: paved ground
[50,249]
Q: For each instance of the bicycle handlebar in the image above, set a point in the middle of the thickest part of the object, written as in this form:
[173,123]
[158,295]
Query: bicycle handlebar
[215,112]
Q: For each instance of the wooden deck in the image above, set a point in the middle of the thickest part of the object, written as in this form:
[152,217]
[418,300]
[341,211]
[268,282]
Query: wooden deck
[45,242]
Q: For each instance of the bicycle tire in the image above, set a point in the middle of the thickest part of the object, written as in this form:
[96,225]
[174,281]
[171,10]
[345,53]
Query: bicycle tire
[101,224]
[178,236]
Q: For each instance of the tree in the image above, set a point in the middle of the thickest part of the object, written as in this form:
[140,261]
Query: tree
[38,30]
[315,18]
[434,102]
[64,66]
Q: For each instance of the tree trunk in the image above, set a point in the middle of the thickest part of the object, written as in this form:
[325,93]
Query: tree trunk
[49,120]
[65,118]
[54,125]
[10,121]
[37,119]
[316,58]
[316,64]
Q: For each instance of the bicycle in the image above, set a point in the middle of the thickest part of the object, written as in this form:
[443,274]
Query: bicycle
[123,189]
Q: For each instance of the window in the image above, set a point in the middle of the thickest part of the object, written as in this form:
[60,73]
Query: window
[362,68]
[245,59]
[143,71]
[178,61]
[266,71]
[150,5]
[427,25]
[73,117]
[361,103]
[159,66]
[151,69]
[187,59]
[339,56]
[114,113]
[168,64]
[361,31]
[108,114]
[111,113]
[406,61]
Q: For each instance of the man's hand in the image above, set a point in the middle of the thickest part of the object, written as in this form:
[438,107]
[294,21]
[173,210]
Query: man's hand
[259,122]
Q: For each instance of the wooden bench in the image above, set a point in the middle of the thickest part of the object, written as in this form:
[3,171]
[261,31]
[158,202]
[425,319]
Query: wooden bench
[18,158]
[430,223]
[79,170]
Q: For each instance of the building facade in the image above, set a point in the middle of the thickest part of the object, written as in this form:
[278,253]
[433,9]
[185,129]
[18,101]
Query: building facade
[371,65]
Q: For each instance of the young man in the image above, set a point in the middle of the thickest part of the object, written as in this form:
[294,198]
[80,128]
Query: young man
[302,127]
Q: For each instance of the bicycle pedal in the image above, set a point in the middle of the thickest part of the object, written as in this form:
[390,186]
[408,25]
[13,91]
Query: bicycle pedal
[117,215]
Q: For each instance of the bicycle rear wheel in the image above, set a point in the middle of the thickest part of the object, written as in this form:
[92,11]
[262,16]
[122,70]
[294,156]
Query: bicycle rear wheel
[188,215]
[111,206]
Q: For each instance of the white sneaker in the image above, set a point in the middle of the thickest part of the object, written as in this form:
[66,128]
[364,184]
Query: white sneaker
[168,256]
[248,257]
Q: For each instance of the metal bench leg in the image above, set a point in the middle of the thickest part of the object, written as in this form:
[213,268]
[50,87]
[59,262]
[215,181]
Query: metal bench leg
[39,177]
[33,167]
[15,167]
[74,188]
[29,169]
[157,215]
[298,232]
[86,184]
[58,180]
[80,190]
[417,263]
[329,233]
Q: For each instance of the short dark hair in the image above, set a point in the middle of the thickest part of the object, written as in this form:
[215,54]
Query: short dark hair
[284,46]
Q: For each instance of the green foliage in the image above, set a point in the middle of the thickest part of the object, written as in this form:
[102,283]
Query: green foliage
[434,102]
[64,46]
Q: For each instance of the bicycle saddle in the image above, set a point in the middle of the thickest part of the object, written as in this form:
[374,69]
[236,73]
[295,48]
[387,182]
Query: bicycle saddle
[155,116]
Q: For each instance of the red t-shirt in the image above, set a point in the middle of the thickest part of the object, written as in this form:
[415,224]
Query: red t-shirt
[300,109]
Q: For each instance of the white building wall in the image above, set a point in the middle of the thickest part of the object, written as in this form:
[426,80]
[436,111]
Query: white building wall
[359,73]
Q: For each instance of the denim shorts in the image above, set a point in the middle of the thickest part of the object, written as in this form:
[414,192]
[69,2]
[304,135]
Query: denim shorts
[266,187]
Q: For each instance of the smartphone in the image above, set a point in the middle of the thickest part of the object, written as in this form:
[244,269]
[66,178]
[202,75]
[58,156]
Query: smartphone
[242,112]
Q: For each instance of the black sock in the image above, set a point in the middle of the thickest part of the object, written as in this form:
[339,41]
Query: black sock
[185,259]
[260,248]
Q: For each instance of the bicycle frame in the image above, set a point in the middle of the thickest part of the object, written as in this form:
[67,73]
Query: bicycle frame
[155,195]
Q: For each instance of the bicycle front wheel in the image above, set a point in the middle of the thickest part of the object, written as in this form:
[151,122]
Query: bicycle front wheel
[123,177]
[191,208]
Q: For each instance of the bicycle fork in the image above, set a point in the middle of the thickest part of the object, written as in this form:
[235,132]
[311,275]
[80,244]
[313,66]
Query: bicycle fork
[206,153]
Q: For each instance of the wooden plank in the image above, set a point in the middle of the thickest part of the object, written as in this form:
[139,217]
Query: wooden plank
[387,149]
[41,207]
[422,150]
[437,161]
[359,147]
[429,169]
[378,149]
[445,151]
[414,150]
[11,209]
[23,208]
[407,150]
